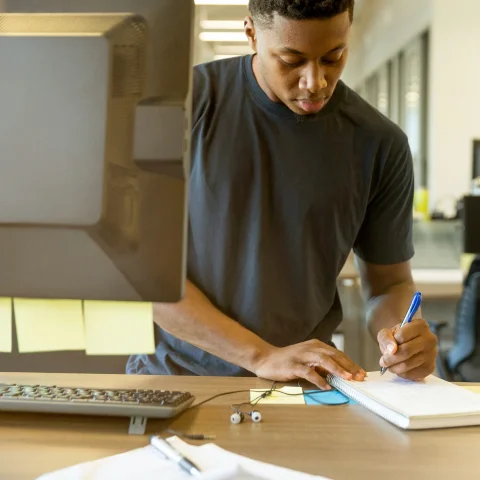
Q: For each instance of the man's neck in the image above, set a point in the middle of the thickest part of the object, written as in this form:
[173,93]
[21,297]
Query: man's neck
[257,72]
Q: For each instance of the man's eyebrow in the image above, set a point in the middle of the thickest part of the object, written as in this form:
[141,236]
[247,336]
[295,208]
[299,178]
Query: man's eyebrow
[296,52]
[340,47]
[291,50]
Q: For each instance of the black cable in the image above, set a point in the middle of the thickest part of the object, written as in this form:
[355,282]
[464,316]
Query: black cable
[269,392]
[201,436]
[257,399]
[216,396]
[266,393]
[311,394]
[253,402]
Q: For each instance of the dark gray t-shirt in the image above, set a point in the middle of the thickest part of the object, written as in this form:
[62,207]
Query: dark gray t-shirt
[277,202]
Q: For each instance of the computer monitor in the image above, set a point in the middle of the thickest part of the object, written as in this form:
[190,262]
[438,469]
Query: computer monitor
[94,148]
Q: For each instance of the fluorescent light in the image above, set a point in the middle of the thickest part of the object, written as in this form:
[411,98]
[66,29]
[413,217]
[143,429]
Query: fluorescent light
[222,24]
[221,2]
[223,37]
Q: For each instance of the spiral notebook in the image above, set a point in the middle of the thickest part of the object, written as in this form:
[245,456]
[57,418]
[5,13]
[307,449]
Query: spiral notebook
[432,403]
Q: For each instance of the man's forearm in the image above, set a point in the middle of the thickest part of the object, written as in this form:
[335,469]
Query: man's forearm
[197,321]
[389,308]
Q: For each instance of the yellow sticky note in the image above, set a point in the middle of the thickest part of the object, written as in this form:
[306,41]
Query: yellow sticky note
[466,260]
[49,325]
[290,396]
[474,389]
[119,328]
[5,325]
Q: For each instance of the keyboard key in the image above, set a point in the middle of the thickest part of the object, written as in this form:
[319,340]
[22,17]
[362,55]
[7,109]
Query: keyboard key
[96,400]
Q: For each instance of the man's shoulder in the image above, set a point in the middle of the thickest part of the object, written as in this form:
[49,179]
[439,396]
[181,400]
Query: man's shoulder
[214,83]
[217,71]
[371,121]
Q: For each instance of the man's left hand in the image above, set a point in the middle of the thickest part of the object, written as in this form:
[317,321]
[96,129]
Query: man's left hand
[410,352]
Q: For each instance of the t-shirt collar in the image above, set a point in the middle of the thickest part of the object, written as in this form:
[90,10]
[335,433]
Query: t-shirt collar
[280,108]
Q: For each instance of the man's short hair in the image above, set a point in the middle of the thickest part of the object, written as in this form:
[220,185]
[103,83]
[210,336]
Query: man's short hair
[263,11]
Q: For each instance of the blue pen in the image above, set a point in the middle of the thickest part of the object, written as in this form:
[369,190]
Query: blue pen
[416,301]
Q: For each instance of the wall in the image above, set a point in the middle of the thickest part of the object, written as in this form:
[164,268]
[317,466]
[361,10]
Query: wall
[454,95]
[385,27]
[381,29]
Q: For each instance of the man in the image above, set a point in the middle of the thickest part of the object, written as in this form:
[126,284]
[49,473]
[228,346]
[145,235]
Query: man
[290,171]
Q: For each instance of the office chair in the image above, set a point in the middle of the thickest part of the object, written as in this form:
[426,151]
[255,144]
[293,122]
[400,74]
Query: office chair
[462,362]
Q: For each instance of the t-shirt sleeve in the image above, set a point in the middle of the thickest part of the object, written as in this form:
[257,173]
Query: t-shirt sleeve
[385,237]
[200,94]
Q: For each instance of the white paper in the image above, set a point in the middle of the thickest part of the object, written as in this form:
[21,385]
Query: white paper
[148,464]
[431,397]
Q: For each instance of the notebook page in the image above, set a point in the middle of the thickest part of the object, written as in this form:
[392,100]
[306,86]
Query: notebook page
[432,397]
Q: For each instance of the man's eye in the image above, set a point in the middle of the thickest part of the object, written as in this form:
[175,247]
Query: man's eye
[331,61]
[291,63]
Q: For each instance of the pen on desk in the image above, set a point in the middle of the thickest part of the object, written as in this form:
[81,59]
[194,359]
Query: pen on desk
[175,456]
[416,301]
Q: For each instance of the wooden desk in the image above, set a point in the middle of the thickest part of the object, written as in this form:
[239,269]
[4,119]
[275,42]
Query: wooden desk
[339,442]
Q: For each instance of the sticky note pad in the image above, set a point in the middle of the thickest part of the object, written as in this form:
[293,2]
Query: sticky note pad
[5,325]
[49,325]
[474,388]
[328,397]
[282,396]
[119,328]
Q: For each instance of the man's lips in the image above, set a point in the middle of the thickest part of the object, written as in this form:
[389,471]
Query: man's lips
[312,105]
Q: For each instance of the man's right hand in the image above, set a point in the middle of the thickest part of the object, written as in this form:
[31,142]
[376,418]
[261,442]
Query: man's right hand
[311,360]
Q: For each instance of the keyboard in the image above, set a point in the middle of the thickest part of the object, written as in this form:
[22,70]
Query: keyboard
[93,401]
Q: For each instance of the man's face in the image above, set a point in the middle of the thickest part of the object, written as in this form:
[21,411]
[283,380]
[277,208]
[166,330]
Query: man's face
[299,62]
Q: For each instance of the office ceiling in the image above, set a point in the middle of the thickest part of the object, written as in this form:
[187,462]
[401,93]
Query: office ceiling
[216,13]
[225,47]
[224,12]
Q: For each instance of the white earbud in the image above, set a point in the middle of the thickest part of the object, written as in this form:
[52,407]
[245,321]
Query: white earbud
[236,418]
[256,416]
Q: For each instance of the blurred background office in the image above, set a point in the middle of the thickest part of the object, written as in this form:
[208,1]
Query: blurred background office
[417,63]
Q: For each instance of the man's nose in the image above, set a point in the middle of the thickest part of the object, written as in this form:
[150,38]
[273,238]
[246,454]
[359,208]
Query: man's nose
[313,78]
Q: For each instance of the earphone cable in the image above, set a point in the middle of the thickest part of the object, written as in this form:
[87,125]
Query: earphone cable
[272,389]
[253,402]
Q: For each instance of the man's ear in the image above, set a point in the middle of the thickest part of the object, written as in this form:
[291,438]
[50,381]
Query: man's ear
[250,32]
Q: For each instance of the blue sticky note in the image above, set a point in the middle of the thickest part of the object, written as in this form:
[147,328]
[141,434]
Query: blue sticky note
[331,397]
